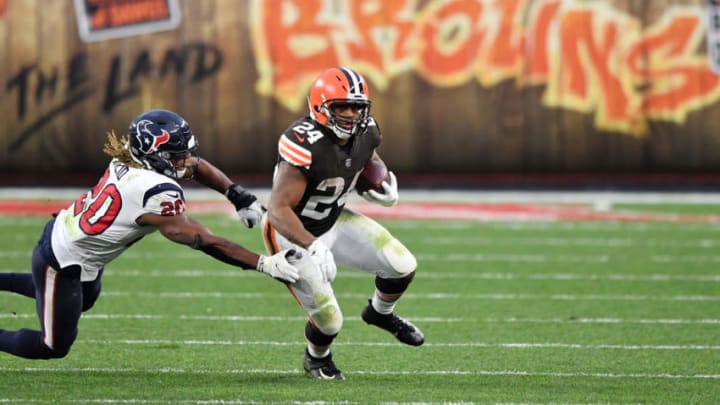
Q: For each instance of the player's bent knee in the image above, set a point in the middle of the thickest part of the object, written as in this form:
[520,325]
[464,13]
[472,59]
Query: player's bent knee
[88,303]
[61,344]
[53,352]
[59,353]
[329,325]
[399,257]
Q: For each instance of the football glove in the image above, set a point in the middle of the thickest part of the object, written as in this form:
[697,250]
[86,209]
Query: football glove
[323,258]
[246,205]
[390,195]
[279,265]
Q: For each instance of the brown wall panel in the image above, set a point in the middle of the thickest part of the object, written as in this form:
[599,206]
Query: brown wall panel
[521,86]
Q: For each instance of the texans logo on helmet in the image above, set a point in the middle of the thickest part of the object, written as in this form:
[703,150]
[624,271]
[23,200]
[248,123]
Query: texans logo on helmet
[151,136]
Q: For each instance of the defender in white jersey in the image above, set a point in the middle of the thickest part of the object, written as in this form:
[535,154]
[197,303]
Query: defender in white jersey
[137,195]
[319,159]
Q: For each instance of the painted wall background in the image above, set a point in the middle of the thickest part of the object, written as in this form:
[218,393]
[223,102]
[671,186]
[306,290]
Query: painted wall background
[458,86]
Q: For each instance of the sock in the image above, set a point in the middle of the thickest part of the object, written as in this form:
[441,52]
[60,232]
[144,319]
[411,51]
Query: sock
[382,307]
[318,354]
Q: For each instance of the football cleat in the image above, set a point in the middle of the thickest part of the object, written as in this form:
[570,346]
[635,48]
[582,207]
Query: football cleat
[403,330]
[321,369]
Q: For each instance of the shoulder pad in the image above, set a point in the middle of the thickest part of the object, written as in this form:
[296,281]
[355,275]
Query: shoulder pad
[293,153]
[164,199]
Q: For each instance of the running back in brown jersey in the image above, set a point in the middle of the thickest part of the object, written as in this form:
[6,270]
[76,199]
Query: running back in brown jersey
[331,169]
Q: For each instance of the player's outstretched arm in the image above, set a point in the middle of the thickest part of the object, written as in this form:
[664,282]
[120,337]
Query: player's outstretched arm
[245,203]
[187,231]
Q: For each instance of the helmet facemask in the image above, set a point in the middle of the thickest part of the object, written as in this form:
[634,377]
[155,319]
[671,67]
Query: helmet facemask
[181,165]
[346,127]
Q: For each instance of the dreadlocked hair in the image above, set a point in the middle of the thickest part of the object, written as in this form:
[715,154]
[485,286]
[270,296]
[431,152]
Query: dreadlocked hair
[118,148]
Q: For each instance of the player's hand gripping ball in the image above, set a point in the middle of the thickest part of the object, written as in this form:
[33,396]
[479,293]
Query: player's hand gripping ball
[372,177]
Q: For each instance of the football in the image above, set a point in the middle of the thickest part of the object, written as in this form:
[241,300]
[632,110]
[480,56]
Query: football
[372,176]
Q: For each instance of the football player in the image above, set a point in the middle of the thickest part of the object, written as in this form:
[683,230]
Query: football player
[137,194]
[320,159]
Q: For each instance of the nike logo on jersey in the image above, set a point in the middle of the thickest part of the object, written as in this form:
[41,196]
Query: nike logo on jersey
[299,137]
[174,195]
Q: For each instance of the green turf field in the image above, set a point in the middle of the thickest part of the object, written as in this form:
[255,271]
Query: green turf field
[513,313]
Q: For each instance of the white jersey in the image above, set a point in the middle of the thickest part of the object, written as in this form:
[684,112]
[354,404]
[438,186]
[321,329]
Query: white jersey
[100,225]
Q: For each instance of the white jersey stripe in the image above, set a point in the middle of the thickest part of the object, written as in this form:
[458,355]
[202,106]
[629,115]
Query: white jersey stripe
[294,154]
[49,307]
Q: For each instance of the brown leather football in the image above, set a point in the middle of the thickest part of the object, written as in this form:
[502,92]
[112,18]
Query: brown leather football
[372,176]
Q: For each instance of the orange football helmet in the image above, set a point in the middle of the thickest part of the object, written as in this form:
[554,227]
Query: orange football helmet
[340,87]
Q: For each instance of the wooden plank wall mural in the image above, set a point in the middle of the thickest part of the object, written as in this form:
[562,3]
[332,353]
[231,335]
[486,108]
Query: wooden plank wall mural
[458,86]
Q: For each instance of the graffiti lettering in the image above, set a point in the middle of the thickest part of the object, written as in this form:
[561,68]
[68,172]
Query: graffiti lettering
[300,38]
[200,61]
[207,58]
[46,83]
[21,81]
[677,80]
[449,38]
[591,57]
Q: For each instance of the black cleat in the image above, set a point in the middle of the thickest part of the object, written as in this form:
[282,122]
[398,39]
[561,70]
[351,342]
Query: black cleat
[403,330]
[321,369]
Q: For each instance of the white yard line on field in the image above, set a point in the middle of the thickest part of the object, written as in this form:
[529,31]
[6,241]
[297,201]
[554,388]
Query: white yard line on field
[207,402]
[702,278]
[546,345]
[428,296]
[242,318]
[424,195]
[485,257]
[501,373]
[494,240]
[226,402]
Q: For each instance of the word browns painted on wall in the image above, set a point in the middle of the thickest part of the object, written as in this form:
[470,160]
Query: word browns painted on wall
[589,56]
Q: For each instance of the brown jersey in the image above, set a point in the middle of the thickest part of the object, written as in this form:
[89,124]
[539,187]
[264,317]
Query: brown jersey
[331,170]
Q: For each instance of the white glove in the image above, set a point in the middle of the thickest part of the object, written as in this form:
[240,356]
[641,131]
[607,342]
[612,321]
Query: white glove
[251,215]
[323,259]
[389,197]
[278,265]
[246,205]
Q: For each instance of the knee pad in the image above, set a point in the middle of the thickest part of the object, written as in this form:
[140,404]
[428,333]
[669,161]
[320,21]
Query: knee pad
[317,337]
[393,285]
[399,257]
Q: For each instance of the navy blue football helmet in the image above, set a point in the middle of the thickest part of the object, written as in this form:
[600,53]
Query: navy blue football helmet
[162,141]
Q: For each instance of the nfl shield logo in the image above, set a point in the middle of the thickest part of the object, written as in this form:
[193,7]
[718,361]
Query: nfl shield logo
[348,162]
